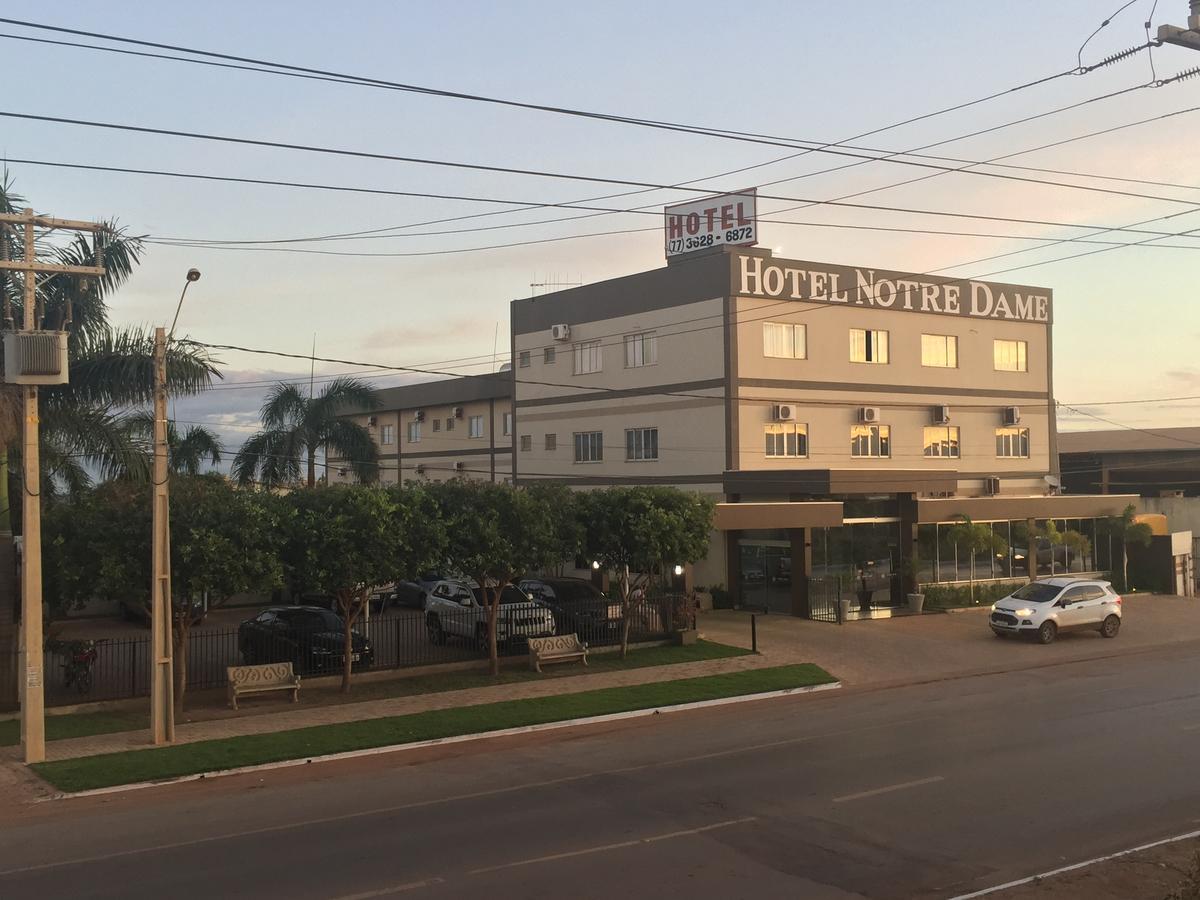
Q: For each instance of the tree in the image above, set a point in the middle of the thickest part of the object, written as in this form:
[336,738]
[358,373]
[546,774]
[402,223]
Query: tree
[1128,531]
[976,538]
[494,533]
[297,427]
[224,541]
[82,423]
[345,540]
[565,524]
[186,453]
[636,531]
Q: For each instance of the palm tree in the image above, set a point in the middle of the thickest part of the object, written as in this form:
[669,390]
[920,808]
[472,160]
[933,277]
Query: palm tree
[187,452]
[296,428]
[83,426]
[975,538]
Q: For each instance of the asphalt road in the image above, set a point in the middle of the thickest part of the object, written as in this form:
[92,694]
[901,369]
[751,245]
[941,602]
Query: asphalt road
[932,790]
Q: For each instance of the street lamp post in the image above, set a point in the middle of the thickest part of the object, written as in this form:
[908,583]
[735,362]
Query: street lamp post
[162,703]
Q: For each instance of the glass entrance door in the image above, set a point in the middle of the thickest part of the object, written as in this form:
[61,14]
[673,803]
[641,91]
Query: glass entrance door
[766,570]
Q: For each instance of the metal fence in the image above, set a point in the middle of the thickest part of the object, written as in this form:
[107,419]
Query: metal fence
[120,668]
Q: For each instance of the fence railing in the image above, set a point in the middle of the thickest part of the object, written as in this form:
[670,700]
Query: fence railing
[120,668]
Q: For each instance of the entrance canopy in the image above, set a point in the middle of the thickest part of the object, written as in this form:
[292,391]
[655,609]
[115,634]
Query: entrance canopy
[1000,508]
[757,516]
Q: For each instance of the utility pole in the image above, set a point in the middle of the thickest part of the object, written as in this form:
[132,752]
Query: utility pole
[162,673]
[1184,37]
[31,669]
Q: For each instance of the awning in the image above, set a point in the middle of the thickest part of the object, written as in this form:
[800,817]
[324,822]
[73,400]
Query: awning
[1000,508]
[749,516]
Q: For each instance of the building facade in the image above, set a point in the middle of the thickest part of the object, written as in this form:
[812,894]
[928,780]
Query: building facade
[436,430]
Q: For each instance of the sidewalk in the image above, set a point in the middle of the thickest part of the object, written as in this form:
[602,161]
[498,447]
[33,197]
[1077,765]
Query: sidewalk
[258,720]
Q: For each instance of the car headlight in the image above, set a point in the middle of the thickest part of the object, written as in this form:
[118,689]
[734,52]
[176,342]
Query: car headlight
[1024,612]
[993,607]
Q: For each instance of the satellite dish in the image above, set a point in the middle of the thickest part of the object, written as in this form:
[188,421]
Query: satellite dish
[1054,483]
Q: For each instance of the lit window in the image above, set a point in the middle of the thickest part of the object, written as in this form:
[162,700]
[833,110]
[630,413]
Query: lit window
[942,441]
[641,350]
[508,424]
[641,443]
[589,446]
[1011,356]
[784,340]
[414,432]
[787,439]
[871,441]
[1012,443]
[475,427]
[387,434]
[587,358]
[939,351]
[868,346]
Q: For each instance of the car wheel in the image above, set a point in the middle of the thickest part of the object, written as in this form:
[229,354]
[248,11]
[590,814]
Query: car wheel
[433,625]
[1110,627]
[1047,633]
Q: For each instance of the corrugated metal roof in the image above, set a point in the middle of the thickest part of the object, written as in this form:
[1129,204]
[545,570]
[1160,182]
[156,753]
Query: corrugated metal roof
[1128,441]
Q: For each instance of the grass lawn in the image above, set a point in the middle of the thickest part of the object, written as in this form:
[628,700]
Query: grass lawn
[210,756]
[77,725]
[84,724]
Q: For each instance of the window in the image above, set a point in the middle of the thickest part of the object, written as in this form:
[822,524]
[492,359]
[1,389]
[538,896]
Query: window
[871,440]
[548,355]
[387,434]
[641,443]
[589,446]
[1011,356]
[942,441]
[523,359]
[526,442]
[787,439]
[641,350]
[475,427]
[437,425]
[1012,443]
[868,346]
[508,423]
[552,442]
[786,341]
[939,351]
[414,432]
[449,423]
[587,358]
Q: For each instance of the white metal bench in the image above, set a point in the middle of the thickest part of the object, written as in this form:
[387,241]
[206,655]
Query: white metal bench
[261,679]
[560,648]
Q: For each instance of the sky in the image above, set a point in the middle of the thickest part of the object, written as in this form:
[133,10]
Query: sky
[1125,323]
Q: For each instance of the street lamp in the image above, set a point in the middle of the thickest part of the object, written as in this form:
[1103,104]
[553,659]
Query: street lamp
[162,701]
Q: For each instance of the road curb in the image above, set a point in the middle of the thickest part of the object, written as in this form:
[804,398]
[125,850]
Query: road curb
[455,739]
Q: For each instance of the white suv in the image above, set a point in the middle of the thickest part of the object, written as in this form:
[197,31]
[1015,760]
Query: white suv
[457,608]
[1045,608]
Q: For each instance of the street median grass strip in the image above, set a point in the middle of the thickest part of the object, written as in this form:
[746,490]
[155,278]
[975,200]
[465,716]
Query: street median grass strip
[91,772]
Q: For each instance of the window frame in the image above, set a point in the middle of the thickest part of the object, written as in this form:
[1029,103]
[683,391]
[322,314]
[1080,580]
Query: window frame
[794,328]
[872,346]
[952,441]
[472,421]
[594,350]
[523,359]
[797,431]
[878,434]
[1014,434]
[526,443]
[1021,350]
[387,435]
[636,345]
[506,424]
[948,341]
[551,442]
[414,431]
[549,355]
[592,444]
[637,447]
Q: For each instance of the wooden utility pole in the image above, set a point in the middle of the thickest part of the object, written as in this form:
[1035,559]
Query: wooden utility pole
[162,704]
[31,670]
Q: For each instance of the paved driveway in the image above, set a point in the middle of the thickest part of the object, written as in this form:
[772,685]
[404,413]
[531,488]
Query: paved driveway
[942,645]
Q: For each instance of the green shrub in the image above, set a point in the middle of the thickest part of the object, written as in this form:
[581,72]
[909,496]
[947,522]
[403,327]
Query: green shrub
[958,596]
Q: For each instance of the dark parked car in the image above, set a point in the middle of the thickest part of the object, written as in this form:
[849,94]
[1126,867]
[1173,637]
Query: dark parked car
[578,606]
[312,639]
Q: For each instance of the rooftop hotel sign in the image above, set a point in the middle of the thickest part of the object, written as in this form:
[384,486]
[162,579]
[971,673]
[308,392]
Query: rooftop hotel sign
[762,276]
[711,222]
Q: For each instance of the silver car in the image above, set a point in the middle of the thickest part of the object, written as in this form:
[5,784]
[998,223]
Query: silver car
[1044,608]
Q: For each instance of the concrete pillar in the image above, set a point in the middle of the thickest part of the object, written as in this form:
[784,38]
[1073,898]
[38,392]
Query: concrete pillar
[801,568]
[909,548]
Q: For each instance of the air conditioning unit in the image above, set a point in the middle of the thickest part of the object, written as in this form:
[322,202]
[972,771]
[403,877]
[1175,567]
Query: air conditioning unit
[868,414]
[372,421]
[783,412]
[992,485]
[460,467]
[458,412]
[941,415]
[560,332]
[419,415]
[1012,415]
[35,357]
